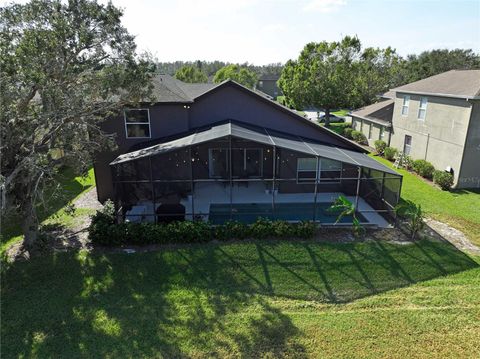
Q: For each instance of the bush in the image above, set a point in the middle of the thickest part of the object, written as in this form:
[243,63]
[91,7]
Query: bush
[380,146]
[347,132]
[389,153]
[443,179]
[407,162]
[359,137]
[423,168]
[104,231]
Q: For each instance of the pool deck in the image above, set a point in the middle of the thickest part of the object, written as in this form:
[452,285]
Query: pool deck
[256,192]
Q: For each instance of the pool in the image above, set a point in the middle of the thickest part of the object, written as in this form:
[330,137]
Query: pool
[249,212]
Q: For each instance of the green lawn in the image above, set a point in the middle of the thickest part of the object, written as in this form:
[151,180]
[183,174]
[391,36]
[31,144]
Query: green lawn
[342,113]
[459,208]
[72,185]
[252,299]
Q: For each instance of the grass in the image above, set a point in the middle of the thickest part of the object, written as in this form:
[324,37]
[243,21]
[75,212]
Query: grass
[343,112]
[252,299]
[72,187]
[459,208]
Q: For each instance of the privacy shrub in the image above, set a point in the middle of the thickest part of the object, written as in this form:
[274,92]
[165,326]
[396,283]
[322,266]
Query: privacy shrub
[359,137]
[347,132]
[380,146]
[389,153]
[104,231]
[407,162]
[423,168]
[443,179]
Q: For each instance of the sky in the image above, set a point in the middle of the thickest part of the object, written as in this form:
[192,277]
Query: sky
[268,31]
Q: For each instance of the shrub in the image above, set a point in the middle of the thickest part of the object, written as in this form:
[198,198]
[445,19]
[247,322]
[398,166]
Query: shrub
[359,137]
[380,146]
[389,153]
[347,132]
[423,168]
[443,179]
[407,162]
[104,231]
[414,215]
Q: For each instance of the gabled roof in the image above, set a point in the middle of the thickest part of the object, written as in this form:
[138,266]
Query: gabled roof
[259,135]
[455,83]
[167,89]
[380,112]
[170,90]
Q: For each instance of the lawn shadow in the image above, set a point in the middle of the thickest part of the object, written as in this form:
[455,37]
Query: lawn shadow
[210,300]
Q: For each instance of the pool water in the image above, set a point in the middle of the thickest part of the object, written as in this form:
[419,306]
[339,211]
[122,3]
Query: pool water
[249,212]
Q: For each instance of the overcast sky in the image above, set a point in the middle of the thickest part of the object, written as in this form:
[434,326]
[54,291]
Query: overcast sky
[266,31]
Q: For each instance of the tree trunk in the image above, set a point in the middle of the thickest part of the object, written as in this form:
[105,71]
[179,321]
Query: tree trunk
[327,117]
[29,226]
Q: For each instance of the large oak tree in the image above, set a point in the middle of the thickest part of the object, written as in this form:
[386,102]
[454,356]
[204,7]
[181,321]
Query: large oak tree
[331,75]
[64,66]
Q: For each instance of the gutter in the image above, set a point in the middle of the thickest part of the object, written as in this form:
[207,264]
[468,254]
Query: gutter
[463,97]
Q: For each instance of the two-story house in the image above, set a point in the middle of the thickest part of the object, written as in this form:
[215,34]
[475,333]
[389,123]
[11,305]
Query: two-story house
[219,152]
[436,119]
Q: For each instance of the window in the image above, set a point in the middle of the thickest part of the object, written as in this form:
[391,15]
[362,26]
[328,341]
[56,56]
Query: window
[381,136]
[137,123]
[330,171]
[247,162]
[306,170]
[422,110]
[406,103]
[217,162]
[407,145]
[370,132]
[260,83]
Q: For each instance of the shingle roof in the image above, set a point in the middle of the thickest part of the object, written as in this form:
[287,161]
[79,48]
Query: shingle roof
[168,89]
[380,112]
[454,83]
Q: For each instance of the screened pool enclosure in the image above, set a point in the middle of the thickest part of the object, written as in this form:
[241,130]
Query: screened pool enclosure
[233,171]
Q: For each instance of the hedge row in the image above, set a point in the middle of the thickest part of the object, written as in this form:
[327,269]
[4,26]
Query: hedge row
[104,231]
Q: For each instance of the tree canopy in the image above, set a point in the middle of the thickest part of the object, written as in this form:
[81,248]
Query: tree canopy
[191,74]
[64,67]
[236,73]
[433,62]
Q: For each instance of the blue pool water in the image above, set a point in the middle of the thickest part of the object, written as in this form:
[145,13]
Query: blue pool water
[249,212]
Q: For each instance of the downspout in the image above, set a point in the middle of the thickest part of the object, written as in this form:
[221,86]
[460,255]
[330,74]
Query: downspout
[426,148]
[358,187]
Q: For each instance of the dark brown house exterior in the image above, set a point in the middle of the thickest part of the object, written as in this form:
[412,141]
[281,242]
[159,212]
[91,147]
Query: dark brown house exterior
[220,151]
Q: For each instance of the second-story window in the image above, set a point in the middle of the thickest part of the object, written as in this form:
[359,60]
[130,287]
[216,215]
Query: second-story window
[422,110]
[137,123]
[406,103]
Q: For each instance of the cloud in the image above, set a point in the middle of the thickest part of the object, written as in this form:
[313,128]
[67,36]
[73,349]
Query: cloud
[324,6]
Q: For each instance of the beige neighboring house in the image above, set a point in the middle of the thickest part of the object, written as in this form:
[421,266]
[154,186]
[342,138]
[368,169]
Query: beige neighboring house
[436,119]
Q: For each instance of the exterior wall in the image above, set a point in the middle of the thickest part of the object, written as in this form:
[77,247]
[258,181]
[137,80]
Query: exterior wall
[269,87]
[363,126]
[470,171]
[226,103]
[440,137]
[165,120]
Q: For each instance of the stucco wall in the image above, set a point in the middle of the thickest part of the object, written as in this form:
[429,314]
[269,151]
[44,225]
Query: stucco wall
[375,132]
[440,137]
[470,171]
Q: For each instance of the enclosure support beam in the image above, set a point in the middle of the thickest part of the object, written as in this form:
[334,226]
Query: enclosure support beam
[273,179]
[153,190]
[230,174]
[191,182]
[317,178]
[358,187]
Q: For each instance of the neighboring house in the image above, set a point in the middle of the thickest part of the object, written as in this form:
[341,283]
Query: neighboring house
[268,85]
[436,119]
[221,151]
[375,121]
